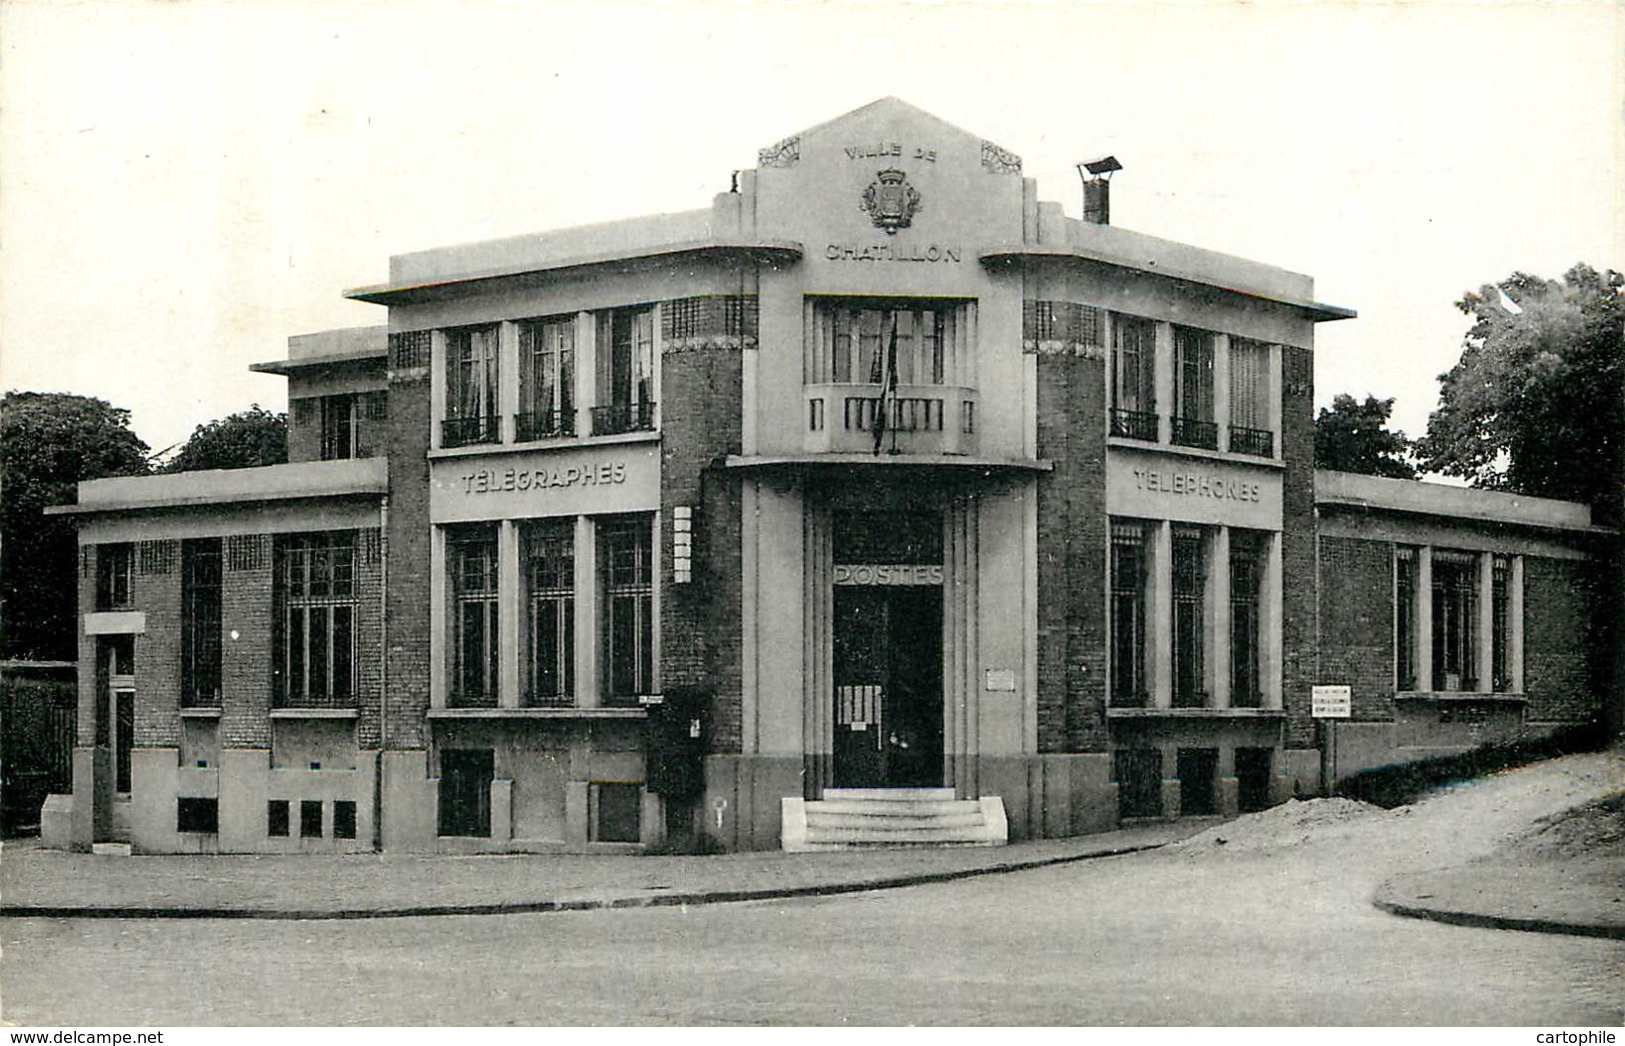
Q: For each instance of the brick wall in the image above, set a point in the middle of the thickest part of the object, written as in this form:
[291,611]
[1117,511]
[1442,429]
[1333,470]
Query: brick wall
[1357,622]
[245,661]
[1298,633]
[1072,530]
[369,642]
[701,390]
[1556,622]
[156,589]
[305,428]
[88,684]
[407,540]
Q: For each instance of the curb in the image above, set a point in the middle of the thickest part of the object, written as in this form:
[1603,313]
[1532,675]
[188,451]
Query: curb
[669,900]
[1483,921]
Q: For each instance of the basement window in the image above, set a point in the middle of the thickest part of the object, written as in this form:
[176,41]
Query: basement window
[276,818]
[343,819]
[197,815]
[310,819]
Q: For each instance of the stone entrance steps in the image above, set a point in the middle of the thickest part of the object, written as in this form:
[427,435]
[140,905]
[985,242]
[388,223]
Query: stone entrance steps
[864,818]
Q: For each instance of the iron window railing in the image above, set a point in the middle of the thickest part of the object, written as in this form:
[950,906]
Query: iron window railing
[544,425]
[1134,424]
[623,417]
[1190,432]
[463,432]
[1257,442]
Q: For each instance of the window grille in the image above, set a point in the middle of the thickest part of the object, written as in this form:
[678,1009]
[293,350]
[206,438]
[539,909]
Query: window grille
[473,564]
[316,614]
[245,552]
[1128,636]
[157,557]
[409,349]
[1405,608]
[625,568]
[338,427]
[114,567]
[1246,634]
[1455,620]
[1190,582]
[200,623]
[550,635]
[1500,612]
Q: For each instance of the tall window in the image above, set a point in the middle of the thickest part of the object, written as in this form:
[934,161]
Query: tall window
[1128,567]
[1501,618]
[549,548]
[473,562]
[547,361]
[339,428]
[1249,398]
[1455,620]
[851,341]
[200,622]
[1134,399]
[1190,583]
[626,369]
[626,572]
[1246,637]
[471,387]
[316,619]
[1193,389]
[1405,602]
[113,569]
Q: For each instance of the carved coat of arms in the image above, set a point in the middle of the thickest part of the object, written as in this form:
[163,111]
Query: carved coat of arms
[891,201]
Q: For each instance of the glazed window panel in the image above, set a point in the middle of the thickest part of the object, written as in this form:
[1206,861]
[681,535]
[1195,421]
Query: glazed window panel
[626,371]
[549,550]
[114,568]
[547,355]
[1406,596]
[626,574]
[339,428]
[1133,377]
[201,567]
[851,342]
[316,607]
[1247,552]
[1249,398]
[472,559]
[472,387]
[1193,422]
[1455,620]
[1189,641]
[1129,574]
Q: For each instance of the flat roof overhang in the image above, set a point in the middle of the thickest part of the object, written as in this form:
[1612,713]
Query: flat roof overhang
[773,251]
[290,366]
[950,465]
[1022,254]
[311,480]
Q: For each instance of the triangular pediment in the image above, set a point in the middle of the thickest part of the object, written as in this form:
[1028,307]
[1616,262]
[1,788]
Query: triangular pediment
[882,125]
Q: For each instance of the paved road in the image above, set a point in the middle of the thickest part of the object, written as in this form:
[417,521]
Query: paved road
[1174,937]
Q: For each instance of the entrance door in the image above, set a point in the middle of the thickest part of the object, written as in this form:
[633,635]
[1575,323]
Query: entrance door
[888,686]
[465,791]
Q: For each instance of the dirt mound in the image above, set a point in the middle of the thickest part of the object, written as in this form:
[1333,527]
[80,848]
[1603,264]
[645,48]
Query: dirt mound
[1292,822]
[1596,829]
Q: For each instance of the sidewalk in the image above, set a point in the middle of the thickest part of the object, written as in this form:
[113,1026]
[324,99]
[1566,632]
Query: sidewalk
[38,882]
[1583,897]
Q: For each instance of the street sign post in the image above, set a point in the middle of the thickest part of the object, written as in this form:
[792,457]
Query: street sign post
[1330,703]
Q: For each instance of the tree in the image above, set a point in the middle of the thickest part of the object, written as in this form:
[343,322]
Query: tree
[1536,405]
[243,440]
[1354,437]
[48,443]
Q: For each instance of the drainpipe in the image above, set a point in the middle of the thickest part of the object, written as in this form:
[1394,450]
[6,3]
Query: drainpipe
[383,676]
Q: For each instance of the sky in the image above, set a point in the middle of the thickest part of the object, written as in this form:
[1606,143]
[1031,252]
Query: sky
[186,183]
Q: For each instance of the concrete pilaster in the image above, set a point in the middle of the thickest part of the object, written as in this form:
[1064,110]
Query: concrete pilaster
[1163,380]
[507,378]
[510,607]
[1221,388]
[1484,656]
[586,637]
[1218,618]
[1424,618]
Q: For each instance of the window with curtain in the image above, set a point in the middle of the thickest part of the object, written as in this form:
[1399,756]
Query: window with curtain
[1133,378]
[472,387]
[1193,422]
[547,360]
[1249,398]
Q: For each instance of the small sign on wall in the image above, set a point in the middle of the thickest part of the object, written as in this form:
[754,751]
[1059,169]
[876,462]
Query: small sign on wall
[1331,702]
[1001,679]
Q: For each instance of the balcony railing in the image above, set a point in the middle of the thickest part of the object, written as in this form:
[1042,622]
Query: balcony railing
[1257,442]
[464,432]
[1189,432]
[623,417]
[920,419]
[1134,424]
[547,424]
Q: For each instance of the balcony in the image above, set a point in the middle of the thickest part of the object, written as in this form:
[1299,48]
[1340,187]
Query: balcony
[1134,424]
[1190,432]
[623,417]
[549,424]
[1259,443]
[465,432]
[920,419]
